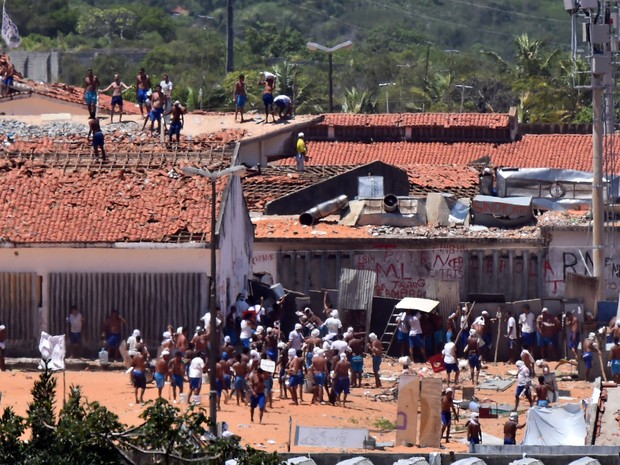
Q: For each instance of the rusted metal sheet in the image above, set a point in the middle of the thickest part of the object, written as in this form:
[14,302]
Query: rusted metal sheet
[19,301]
[446,292]
[497,211]
[582,287]
[356,289]
[148,301]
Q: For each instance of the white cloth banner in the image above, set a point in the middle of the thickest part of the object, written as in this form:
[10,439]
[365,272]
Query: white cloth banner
[10,34]
[52,348]
[559,426]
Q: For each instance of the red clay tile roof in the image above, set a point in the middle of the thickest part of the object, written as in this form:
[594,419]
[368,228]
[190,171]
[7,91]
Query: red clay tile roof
[288,227]
[43,205]
[482,120]
[565,151]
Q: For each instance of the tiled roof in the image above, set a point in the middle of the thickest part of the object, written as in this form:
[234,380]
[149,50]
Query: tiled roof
[481,120]
[564,151]
[287,227]
[43,205]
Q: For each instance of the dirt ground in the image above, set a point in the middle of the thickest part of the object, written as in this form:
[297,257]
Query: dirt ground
[112,389]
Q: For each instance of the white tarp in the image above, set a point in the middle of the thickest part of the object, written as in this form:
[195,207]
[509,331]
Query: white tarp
[559,426]
[415,303]
[52,348]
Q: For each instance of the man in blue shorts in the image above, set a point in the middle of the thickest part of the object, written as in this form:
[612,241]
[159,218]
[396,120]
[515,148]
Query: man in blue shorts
[376,348]
[614,360]
[342,383]
[118,87]
[94,128]
[589,348]
[143,85]
[196,368]
[473,355]
[240,97]
[177,374]
[447,408]
[91,87]
[138,363]
[177,120]
[296,374]
[257,399]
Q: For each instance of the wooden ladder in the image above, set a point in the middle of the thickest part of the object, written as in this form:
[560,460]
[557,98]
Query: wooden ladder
[389,333]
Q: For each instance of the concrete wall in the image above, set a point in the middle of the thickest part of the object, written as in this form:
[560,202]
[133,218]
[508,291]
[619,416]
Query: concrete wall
[37,105]
[256,150]
[236,239]
[571,252]
[38,66]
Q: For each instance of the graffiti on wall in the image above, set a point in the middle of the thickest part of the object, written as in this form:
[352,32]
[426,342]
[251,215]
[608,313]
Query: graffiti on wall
[405,273]
[561,262]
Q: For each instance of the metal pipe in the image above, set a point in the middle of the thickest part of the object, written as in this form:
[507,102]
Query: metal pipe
[309,217]
[390,203]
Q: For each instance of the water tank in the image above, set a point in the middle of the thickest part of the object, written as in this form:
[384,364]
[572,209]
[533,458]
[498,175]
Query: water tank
[412,461]
[470,461]
[356,461]
[300,461]
[527,461]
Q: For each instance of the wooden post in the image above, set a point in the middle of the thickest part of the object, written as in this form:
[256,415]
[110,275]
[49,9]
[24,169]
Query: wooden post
[461,329]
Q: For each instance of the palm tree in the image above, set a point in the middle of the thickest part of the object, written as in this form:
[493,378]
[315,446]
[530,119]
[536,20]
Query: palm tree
[356,101]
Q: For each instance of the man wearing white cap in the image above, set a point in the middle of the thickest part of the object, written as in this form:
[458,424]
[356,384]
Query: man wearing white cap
[527,323]
[161,371]
[589,348]
[342,382]
[296,374]
[402,334]
[523,383]
[132,343]
[302,152]
[312,342]
[510,429]
[319,368]
[447,409]
[482,325]
[296,338]
[474,430]
[548,327]
[333,324]
[450,361]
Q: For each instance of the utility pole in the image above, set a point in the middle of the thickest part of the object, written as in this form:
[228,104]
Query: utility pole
[599,46]
[462,87]
[230,38]
[387,95]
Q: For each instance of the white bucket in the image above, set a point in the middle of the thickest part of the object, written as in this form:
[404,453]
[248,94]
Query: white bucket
[196,399]
[183,397]
[205,378]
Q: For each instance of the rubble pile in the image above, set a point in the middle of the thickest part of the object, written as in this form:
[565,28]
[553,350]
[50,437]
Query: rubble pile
[471,232]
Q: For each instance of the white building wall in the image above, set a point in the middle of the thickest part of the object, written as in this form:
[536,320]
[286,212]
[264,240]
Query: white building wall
[264,259]
[43,261]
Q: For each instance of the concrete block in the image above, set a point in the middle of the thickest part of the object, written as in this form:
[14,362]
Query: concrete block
[412,461]
[356,461]
[300,461]
[437,210]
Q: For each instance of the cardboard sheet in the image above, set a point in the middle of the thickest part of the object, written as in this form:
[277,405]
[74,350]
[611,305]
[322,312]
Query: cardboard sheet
[407,412]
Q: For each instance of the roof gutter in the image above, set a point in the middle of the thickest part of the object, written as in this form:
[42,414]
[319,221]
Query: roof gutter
[104,245]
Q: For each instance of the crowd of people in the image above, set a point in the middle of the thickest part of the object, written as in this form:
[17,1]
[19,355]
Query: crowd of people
[282,103]
[155,103]
[317,358]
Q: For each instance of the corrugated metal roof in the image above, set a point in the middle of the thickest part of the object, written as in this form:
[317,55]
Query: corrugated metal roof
[356,289]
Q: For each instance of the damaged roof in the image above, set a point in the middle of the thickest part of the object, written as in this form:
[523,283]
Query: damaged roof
[42,205]
[469,120]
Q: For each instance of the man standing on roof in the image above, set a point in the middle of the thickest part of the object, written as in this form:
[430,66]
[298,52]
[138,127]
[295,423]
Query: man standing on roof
[118,87]
[268,80]
[302,152]
[91,86]
[143,85]
[177,121]
[284,105]
[94,128]
[9,77]
[240,97]
[589,348]
[166,88]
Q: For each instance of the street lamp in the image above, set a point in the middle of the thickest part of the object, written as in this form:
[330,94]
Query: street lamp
[213,340]
[387,95]
[462,87]
[330,51]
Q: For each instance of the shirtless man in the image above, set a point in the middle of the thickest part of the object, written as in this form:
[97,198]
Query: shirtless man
[177,121]
[228,349]
[447,409]
[510,429]
[548,326]
[474,430]
[112,332]
[342,382]
[313,341]
[240,367]
[473,355]
[589,348]
[138,363]
[91,86]
[94,128]
[542,393]
[319,367]
[181,341]
[118,88]
[257,387]
[376,349]
[573,333]
[268,81]
[295,370]
[271,344]
[9,77]
[200,339]
[614,360]
[177,374]
[161,371]
[240,97]
[143,85]
[158,101]
[220,368]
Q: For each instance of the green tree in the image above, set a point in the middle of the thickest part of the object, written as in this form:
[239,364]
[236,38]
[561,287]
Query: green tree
[108,23]
[356,101]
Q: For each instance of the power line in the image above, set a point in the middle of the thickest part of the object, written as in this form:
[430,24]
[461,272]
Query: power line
[512,12]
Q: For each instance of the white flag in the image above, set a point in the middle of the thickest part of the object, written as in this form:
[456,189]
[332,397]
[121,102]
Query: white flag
[52,348]
[10,34]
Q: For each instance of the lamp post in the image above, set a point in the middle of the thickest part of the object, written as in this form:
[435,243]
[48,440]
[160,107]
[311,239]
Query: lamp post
[462,87]
[213,339]
[330,51]
[387,95]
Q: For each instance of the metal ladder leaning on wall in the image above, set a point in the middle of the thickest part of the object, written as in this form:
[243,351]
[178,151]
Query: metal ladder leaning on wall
[389,333]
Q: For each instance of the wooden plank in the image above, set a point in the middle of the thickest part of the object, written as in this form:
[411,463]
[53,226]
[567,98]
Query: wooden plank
[430,407]
[407,411]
